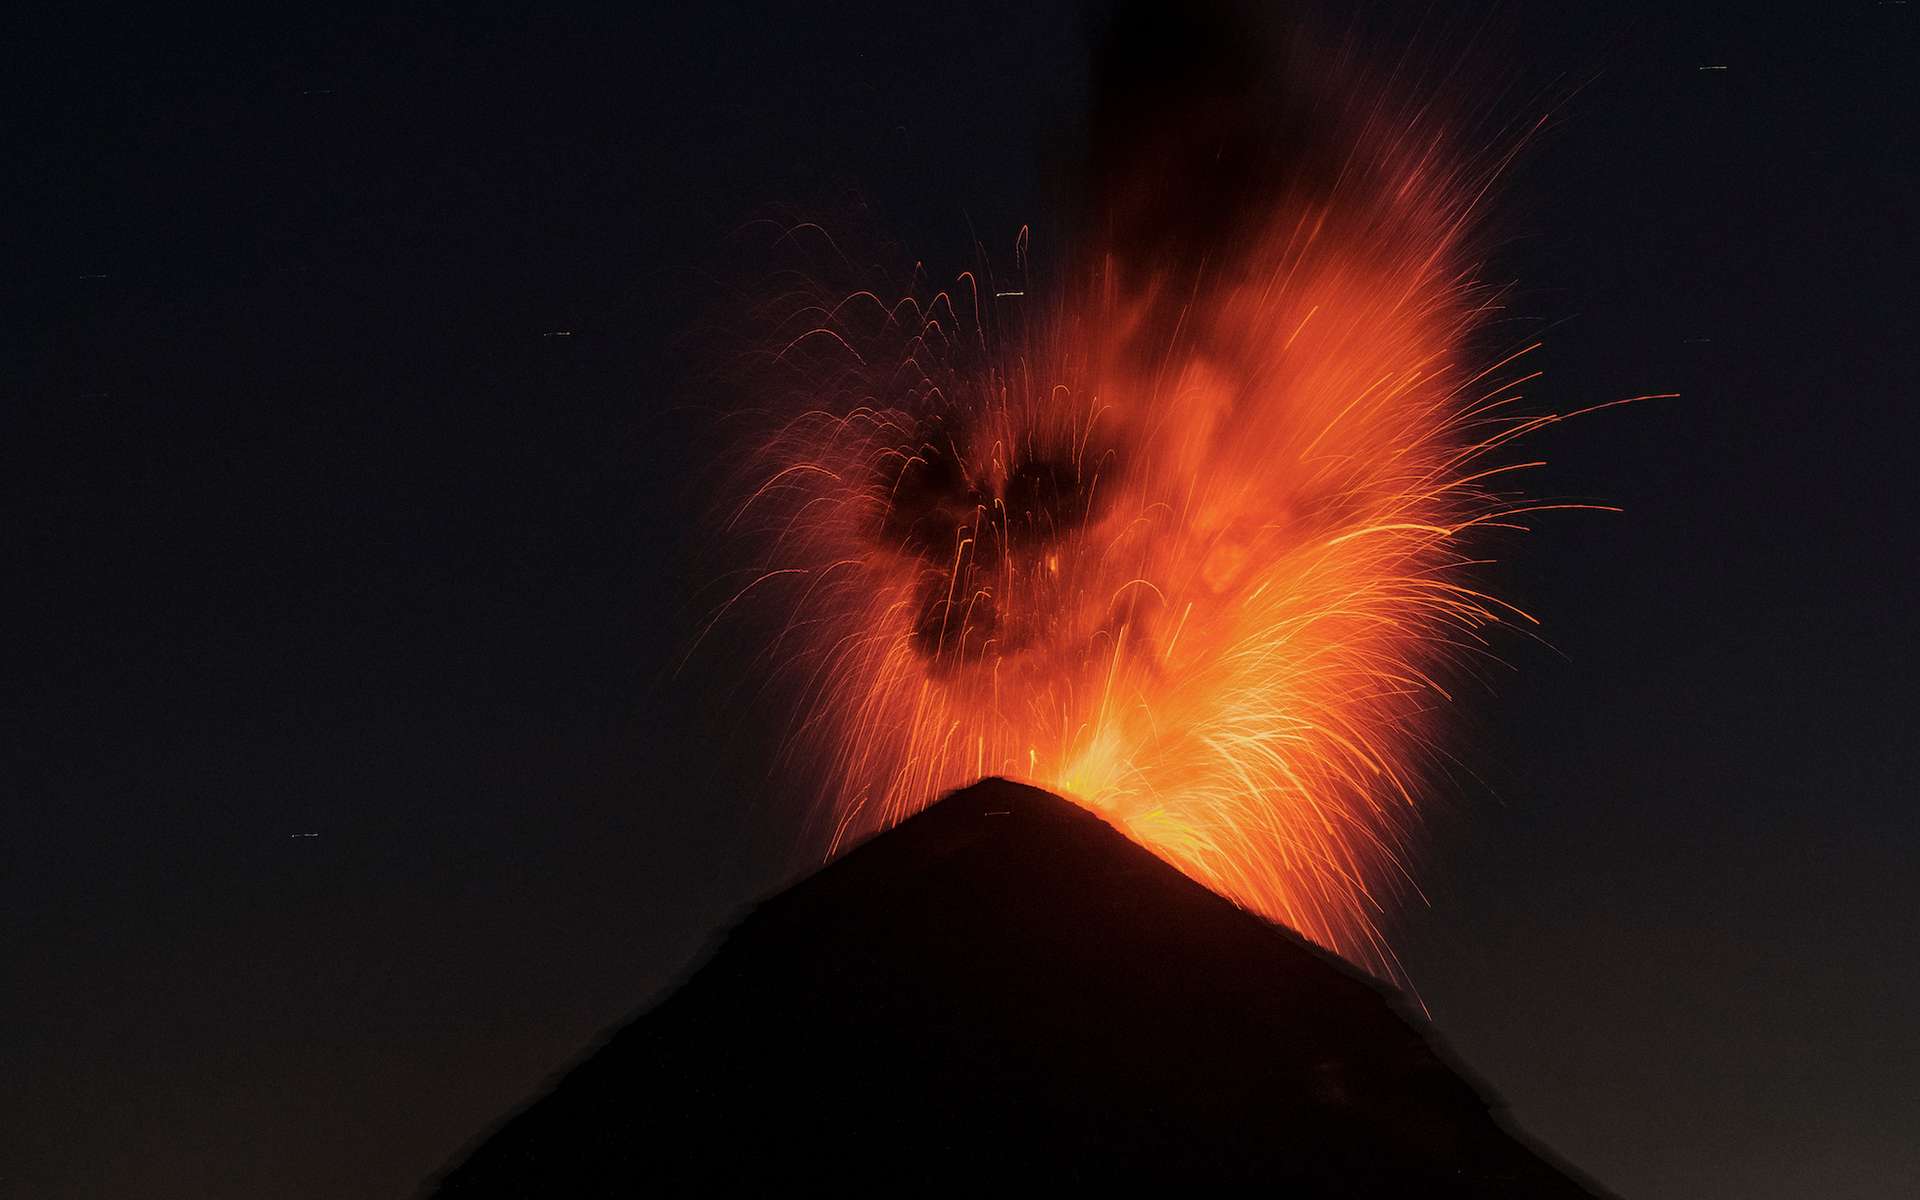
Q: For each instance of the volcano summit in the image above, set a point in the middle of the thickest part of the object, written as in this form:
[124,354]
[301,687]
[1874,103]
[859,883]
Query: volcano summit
[1005,991]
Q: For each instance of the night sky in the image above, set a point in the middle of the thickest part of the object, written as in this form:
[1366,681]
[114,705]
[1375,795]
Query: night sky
[353,442]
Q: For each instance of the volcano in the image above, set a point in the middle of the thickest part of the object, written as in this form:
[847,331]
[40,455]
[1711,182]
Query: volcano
[1004,991]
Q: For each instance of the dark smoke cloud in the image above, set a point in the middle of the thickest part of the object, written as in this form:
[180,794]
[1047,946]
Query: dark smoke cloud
[1202,114]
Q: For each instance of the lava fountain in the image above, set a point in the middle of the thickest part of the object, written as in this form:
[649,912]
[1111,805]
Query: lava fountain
[1187,535]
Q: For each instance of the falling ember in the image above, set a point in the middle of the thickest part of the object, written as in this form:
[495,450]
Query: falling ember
[1184,534]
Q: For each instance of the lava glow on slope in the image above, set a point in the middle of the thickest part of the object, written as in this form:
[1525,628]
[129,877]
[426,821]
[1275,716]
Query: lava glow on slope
[1186,538]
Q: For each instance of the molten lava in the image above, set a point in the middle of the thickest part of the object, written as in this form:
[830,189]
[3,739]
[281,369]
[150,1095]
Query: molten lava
[1188,542]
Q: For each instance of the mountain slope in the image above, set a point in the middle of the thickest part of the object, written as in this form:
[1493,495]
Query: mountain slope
[1005,990]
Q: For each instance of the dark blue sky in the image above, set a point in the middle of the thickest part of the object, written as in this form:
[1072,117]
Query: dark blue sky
[312,529]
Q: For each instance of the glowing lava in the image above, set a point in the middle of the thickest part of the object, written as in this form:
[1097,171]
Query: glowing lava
[1189,543]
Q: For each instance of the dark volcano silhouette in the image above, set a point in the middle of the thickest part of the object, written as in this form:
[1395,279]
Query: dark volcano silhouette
[1005,991]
